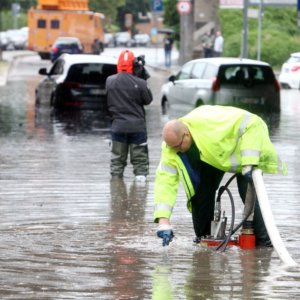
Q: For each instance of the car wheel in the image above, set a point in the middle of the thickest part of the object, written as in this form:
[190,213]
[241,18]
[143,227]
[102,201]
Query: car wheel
[199,103]
[53,101]
[164,105]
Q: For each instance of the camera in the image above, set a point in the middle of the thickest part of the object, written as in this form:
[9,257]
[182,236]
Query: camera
[139,69]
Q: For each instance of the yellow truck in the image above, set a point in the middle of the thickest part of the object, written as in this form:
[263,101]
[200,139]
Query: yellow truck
[55,18]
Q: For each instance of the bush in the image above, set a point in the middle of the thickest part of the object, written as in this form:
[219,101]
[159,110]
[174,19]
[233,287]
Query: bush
[280,34]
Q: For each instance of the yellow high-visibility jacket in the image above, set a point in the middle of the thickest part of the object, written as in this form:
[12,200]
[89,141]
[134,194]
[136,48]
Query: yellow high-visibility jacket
[228,138]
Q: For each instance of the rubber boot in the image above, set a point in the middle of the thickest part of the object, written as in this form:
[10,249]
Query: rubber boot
[139,159]
[118,161]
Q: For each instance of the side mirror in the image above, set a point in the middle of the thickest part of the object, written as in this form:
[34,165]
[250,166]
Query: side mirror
[172,78]
[43,71]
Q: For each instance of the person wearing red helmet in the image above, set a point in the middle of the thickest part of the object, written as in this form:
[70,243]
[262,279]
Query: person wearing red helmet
[126,96]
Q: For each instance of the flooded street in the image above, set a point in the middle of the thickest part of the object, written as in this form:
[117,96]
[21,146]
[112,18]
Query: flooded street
[68,232]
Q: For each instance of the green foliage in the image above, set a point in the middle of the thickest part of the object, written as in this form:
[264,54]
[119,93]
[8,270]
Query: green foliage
[171,18]
[110,9]
[132,7]
[8,21]
[280,34]
[25,4]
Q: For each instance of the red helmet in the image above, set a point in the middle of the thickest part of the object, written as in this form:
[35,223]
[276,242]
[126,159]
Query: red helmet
[125,62]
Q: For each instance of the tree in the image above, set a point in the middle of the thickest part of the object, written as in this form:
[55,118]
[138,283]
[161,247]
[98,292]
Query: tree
[132,7]
[25,4]
[172,18]
[108,8]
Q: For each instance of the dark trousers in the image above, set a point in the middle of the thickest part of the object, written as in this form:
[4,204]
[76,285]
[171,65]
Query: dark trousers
[203,203]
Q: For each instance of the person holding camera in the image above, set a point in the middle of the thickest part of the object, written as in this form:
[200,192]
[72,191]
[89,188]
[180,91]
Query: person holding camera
[127,93]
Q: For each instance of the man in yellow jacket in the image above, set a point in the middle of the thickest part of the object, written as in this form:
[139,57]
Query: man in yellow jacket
[197,150]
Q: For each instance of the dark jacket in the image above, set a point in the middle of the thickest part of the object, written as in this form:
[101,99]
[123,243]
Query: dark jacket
[126,97]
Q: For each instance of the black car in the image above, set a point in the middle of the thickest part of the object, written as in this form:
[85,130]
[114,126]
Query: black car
[76,81]
[71,45]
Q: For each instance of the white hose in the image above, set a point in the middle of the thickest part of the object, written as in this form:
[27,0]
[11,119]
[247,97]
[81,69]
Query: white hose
[269,220]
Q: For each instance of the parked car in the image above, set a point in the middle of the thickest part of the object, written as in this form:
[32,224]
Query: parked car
[3,40]
[124,39]
[17,39]
[142,39]
[109,40]
[71,45]
[245,83]
[76,81]
[289,76]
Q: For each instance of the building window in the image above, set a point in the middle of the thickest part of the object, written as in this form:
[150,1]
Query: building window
[41,23]
[54,24]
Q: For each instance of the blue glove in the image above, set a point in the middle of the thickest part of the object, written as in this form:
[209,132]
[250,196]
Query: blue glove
[247,173]
[165,232]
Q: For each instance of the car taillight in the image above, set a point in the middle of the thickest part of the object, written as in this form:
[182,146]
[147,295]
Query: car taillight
[215,85]
[54,49]
[295,68]
[277,85]
[71,85]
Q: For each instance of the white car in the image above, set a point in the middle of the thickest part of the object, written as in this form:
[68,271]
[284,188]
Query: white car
[244,83]
[124,39]
[142,39]
[17,38]
[290,72]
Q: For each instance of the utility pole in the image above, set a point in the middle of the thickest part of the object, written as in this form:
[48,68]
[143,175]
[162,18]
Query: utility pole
[245,30]
[186,10]
[260,15]
[1,57]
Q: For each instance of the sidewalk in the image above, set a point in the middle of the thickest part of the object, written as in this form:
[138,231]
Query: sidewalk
[4,68]
[7,58]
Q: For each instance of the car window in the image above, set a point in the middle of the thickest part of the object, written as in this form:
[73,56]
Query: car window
[66,42]
[293,59]
[244,74]
[210,71]
[91,72]
[197,71]
[57,68]
[185,72]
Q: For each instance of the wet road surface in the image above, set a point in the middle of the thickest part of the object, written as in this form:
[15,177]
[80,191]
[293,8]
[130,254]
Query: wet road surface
[68,232]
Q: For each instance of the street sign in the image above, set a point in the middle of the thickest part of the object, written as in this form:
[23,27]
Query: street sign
[16,8]
[157,5]
[184,7]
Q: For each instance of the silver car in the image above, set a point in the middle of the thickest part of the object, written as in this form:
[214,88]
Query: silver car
[244,83]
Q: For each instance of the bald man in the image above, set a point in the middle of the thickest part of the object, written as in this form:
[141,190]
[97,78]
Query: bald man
[197,150]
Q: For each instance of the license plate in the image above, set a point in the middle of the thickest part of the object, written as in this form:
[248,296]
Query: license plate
[97,92]
[250,100]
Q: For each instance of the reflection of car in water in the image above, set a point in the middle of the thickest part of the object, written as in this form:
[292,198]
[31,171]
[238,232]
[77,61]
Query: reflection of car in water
[76,81]
[81,121]
[243,83]
[71,122]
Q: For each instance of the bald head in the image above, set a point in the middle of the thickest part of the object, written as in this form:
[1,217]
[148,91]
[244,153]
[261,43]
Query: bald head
[173,132]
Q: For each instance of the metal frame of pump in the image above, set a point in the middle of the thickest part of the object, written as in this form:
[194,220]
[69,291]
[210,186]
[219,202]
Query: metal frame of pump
[218,237]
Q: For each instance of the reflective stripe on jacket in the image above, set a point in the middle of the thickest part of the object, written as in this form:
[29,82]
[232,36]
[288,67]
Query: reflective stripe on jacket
[228,138]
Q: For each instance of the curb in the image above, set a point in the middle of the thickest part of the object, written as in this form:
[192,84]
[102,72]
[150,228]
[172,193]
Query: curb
[6,63]
[4,70]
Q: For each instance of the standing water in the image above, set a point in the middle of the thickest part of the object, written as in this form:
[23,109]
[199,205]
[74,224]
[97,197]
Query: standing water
[68,232]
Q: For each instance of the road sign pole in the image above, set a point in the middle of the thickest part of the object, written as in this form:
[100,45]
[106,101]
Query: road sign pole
[298,8]
[186,11]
